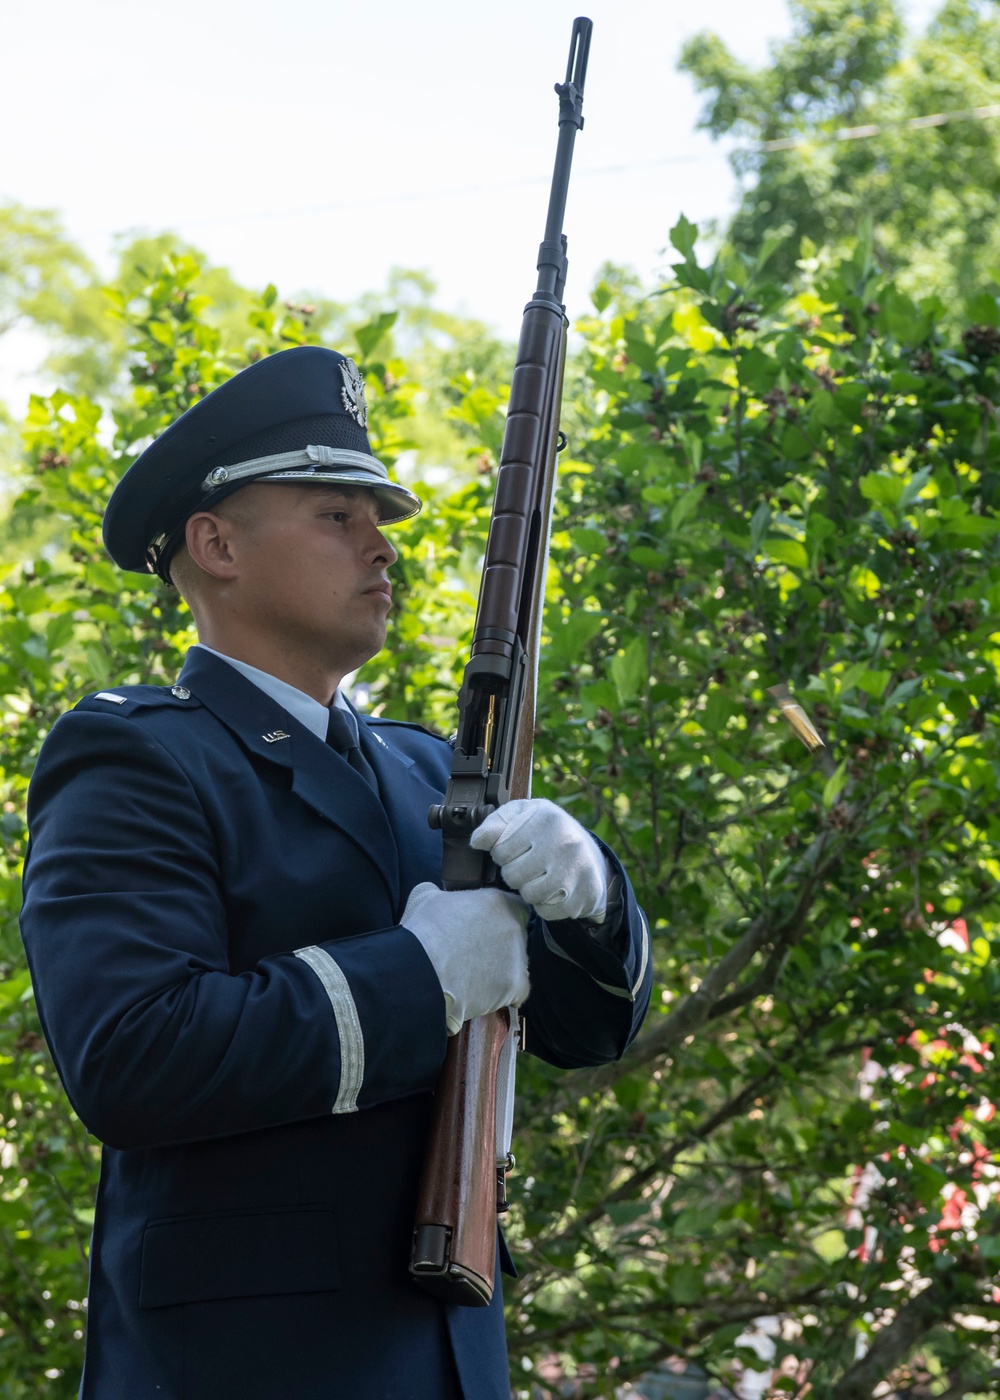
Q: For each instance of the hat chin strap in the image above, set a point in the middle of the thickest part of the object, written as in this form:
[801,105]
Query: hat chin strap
[305,462]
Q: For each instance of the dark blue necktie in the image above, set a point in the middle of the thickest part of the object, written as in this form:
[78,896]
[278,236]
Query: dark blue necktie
[342,735]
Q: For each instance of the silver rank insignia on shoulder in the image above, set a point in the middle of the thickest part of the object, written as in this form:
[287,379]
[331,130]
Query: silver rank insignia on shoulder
[107,695]
[274,736]
[353,392]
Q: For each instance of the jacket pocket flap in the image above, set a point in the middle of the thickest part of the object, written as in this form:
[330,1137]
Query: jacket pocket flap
[194,1258]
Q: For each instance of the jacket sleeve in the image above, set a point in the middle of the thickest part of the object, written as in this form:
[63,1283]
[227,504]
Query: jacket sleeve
[155,1040]
[588,997]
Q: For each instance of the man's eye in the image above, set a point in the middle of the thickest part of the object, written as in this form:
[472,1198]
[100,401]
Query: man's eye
[338,515]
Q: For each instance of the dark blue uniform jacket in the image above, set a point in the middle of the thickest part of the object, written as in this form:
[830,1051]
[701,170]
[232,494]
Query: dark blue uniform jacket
[212,921]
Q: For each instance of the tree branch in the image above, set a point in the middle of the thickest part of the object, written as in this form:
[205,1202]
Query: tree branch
[667,1157]
[697,1008]
[664,1160]
[894,1343]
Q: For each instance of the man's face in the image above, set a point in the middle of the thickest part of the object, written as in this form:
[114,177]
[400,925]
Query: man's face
[311,569]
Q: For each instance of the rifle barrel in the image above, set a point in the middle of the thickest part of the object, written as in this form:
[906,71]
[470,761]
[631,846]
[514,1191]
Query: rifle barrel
[552,261]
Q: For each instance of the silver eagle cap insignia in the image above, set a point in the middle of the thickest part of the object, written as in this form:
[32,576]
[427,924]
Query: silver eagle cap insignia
[353,392]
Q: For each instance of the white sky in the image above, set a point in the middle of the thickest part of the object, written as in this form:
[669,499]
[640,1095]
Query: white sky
[317,144]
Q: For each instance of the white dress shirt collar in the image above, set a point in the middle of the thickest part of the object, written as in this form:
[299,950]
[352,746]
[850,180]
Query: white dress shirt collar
[298,704]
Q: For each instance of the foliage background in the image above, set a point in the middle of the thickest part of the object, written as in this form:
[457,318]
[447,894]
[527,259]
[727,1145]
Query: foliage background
[853,115]
[782,469]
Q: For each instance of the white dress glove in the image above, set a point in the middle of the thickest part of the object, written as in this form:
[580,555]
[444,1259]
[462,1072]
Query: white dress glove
[546,856]
[477,942]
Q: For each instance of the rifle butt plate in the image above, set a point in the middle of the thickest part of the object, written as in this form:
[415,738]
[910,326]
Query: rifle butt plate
[432,1269]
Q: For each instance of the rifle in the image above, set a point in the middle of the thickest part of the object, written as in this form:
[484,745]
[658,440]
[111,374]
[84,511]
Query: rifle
[463,1187]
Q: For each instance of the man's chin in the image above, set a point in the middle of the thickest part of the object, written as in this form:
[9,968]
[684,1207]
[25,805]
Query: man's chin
[365,651]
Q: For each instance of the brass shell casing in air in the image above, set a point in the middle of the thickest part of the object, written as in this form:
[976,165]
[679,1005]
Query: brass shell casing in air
[796,718]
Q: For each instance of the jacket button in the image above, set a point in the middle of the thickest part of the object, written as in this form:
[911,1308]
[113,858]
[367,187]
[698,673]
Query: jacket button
[180,692]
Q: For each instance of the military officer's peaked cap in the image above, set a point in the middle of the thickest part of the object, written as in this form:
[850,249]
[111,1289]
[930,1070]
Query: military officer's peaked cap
[298,416]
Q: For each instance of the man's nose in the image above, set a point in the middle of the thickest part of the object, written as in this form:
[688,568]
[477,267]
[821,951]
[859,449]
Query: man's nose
[380,550]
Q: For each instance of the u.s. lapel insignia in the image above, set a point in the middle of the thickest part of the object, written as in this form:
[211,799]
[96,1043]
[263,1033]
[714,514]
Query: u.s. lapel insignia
[353,392]
[380,740]
[274,736]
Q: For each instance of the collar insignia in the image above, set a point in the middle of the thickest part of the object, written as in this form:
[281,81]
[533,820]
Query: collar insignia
[274,736]
[353,392]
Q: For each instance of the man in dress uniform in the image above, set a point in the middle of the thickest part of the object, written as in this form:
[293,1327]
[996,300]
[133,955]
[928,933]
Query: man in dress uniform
[245,966]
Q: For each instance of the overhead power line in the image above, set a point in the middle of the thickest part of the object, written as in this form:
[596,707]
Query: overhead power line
[785,143]
[428,196]
[863,133]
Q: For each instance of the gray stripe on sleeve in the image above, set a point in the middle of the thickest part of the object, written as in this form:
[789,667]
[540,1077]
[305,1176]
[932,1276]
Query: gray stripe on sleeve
[630,993]
[644,959]
[345,1012]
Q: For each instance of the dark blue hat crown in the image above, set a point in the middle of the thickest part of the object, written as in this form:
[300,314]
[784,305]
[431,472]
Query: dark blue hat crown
[299,415]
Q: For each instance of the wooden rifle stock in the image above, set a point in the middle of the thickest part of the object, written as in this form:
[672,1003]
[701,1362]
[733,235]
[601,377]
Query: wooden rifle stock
[454,1241]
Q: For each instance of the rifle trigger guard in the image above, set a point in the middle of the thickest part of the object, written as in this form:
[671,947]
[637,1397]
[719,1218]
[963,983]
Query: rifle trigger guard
[507,1165]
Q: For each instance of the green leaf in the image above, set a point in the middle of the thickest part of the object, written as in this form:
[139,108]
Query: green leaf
[874,683]
[849,679]
[640,350]
[588,543]
[913,487]
[625,1212]
[769,246]
[819,527]
[685,506]
[58,632]
[759,522]
[727,764]
[686,1284]
[882,489]
[787,551]
[905,690]
[718,708]
[903,319]
[984,310]
[683,236]
[13,988]
[971,527]
[369,335]
[830,1245]
[834,785]
[601,296]
[645,557]
[571,637]
[757,371]
[629,670]
[795,445]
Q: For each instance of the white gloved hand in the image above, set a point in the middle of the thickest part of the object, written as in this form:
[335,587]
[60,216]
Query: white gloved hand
[477,942]
[547,856]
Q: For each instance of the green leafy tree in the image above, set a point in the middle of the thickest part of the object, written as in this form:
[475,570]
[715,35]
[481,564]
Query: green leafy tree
[773,492]
[762,488]
[42,272]
[932,190]
[46,283]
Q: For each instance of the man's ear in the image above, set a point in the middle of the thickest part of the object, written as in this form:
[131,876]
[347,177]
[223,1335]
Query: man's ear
[210,544]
